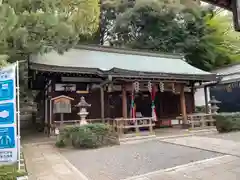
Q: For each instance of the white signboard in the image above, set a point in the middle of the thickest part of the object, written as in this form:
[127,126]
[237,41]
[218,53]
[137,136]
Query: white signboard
[8,123]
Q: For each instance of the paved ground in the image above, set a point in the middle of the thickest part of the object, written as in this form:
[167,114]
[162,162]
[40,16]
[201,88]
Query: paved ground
[210,144]
[182,158]
[133,159]
[220,168]
[44,162]
[233,136]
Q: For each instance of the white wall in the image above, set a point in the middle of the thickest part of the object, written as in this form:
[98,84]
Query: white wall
[200,97]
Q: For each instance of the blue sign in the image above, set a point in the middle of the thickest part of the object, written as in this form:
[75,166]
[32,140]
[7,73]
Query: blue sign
[8,132]
[6,90]
[7,137]
[7,113]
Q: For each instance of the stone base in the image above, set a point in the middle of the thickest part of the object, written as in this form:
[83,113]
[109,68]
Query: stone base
[83,122]
[185,126]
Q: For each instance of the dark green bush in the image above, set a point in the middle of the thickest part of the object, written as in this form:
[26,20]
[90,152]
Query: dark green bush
[200,109]
[84,138]
[226,122]
[60,143]
[87,136]
[10,172]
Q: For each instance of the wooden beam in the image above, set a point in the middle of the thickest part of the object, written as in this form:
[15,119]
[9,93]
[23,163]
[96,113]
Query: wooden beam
[102,103]
[206,99]
[193,97]
[46,102]
[183,106]
[46,108]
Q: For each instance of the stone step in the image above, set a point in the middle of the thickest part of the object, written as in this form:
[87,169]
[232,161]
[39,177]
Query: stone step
[137,138]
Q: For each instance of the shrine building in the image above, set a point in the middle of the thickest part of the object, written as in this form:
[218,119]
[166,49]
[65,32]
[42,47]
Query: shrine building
[116,82]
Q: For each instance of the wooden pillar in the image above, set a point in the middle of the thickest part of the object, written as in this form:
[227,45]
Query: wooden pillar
[46,129]
[193,98]
[206,99]
[102,103]
[46,107]
[62,118]
[124,102]
[183,106]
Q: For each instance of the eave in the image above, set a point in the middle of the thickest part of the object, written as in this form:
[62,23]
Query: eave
[121,74]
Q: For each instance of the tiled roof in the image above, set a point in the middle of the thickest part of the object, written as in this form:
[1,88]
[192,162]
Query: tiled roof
[117,60]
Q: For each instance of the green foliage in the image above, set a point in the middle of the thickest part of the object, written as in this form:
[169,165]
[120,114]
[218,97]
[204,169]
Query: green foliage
[10,172]
[37,26]
[205,37]
[219,44]
[200,109]
[227,122]
[60,143]
[84,138]
[87,136]
[28,27]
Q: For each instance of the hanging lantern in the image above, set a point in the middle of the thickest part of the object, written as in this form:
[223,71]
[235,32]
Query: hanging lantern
[161,86]
[173,88]
[149,86]
[136,86]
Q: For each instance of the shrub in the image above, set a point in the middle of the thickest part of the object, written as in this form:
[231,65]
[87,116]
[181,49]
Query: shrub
[84,138]
[60,143]
[200,109]
[87,136]
[226,122]
[10,172]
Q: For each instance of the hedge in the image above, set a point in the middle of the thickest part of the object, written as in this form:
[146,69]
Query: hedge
[200,109]
[226,122]
[10,172]
[87,136]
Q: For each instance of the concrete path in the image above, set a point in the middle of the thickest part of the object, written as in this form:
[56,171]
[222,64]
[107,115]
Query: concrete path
[217,168]
[210,144]
[220,168]
[233,136]
[44,162]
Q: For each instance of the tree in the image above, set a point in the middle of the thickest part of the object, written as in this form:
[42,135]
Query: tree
[220,44]
[37,26]
[110,9]
[173,28]
[33,26]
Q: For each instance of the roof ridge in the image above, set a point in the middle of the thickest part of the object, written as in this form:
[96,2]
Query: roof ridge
[129,51]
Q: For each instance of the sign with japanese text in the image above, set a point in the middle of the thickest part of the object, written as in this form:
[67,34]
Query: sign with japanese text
[8,123]
[62,104]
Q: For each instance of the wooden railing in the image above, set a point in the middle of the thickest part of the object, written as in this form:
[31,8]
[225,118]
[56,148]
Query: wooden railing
[133,125]
[76,122]
[121,125]
[199,120]
[62,124]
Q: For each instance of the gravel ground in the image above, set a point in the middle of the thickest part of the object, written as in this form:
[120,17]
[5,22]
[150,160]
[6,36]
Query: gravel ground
[119,162]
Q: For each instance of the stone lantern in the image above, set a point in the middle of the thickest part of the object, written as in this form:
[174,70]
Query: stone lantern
[83,105]
[214,108]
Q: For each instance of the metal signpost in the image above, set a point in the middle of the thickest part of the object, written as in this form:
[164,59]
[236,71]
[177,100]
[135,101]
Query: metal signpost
[9,115]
